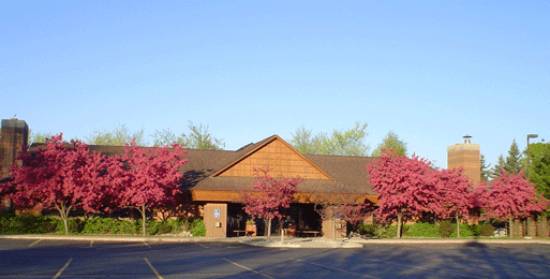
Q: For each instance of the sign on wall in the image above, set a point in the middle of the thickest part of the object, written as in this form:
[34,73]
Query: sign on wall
[217,213]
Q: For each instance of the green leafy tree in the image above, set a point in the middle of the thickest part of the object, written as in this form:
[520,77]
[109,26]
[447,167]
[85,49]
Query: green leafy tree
[304,141]
[38,137]
[485,169]
[120,135]
[348,142]
[391,142]
[198,137]
[513,163]
[538,169]
[166,137]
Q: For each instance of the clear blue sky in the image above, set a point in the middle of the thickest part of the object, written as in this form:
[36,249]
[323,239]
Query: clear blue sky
[431,71]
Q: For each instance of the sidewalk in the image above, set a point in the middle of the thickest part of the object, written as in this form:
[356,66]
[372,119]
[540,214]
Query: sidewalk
[450,241]
[302,242]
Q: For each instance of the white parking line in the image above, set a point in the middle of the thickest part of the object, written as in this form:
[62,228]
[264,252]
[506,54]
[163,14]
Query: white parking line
[58,274]
[248,268]
[91,243]
[146,244]
[35,242]
[155,271]
[202,245]
[339,270]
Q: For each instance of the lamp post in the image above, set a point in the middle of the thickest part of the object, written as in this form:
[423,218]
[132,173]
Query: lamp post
[530,221]
[529,136]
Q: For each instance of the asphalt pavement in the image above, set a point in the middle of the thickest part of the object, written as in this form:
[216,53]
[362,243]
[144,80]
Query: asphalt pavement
[35,258]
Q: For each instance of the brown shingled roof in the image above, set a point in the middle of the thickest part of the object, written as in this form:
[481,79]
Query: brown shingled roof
[348,173]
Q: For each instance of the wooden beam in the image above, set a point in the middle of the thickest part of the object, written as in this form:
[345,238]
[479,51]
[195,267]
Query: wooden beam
[303,197]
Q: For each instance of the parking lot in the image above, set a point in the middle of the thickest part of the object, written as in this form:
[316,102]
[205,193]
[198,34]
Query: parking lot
[88,259]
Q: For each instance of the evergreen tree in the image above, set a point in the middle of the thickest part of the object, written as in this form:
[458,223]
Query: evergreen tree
[495,172]
[484,169]
[513,163]
[539,167]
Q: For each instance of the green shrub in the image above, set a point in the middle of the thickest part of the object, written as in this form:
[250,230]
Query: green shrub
[421,230]
[96,225]
[446,229]
[165,227]
[74,225]
[389,231]
[368,230]
[184,225]
[483,229]
[475,230]
[27,224]
[465,230]
[99,225]
[154,227]
[179,225]
[486,229]
[198,228]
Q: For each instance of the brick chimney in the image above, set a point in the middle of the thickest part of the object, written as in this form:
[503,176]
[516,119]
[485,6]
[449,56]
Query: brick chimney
[13,139]
[466,156]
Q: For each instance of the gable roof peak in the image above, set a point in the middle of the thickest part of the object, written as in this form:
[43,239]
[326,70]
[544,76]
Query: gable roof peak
[248,150]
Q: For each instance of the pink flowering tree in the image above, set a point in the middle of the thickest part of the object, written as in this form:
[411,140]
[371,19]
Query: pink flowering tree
[511,196]
[58,176]
[100,192]
[456,195]
[406,188]
[270,198]
[148,178]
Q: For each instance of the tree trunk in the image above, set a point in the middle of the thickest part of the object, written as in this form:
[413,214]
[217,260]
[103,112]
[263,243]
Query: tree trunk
[143,224]
[282,232]
[64,214]
[66,225]
[457,226]
[399,223]
[510,226]
[268,228]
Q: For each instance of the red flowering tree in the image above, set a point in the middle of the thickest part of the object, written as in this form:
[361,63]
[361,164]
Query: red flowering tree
[456,195]
[58,176]
[270,197]
[148,178]
[511,196]
[100,191]
[406,188]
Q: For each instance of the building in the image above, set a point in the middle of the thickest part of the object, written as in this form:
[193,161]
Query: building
[216,180]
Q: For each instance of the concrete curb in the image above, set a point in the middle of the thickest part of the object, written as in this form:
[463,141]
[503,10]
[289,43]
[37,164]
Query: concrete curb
[166,239]
[451,241]
[344,243]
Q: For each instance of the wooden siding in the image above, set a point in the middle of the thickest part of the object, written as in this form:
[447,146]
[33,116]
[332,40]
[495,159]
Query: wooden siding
[238,197]
[281,161]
